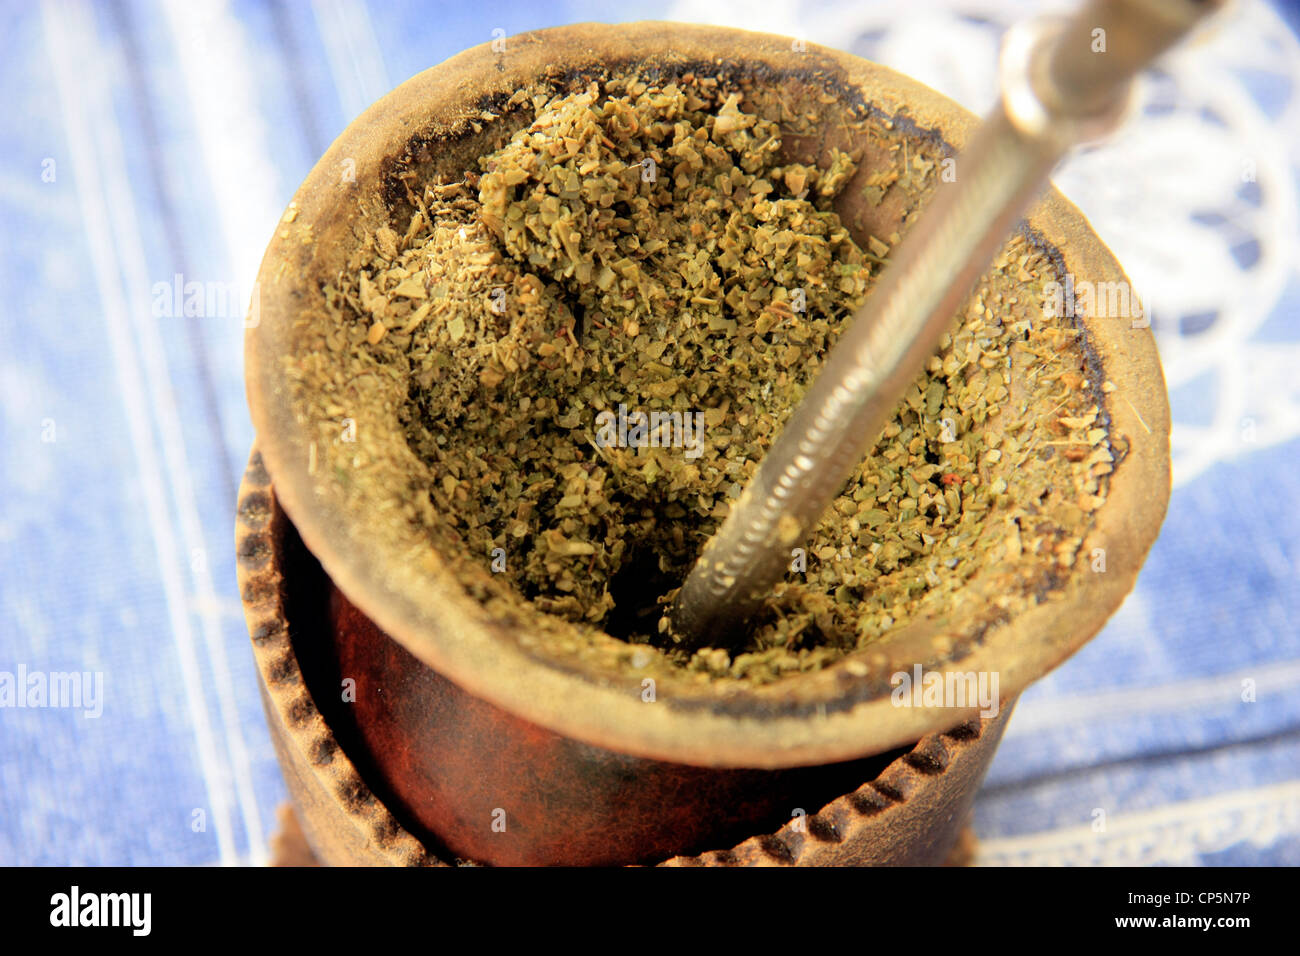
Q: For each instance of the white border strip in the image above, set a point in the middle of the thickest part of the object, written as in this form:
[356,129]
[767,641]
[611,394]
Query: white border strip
[1200,694]
[157,377]
[1178,834]
[70,43]
[360,74]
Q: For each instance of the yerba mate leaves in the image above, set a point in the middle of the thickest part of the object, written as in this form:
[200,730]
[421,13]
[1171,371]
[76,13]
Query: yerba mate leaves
[650,247]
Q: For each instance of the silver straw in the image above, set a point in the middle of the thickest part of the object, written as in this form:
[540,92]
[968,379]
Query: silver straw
[1057,90]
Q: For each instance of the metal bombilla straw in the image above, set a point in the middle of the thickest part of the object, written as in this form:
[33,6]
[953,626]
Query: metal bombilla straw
[1056,92]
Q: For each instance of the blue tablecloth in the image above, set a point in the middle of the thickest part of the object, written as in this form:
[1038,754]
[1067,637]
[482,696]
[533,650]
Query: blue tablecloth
[150,143]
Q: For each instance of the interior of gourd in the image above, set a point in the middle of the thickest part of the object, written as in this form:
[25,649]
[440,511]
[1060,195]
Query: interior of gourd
[971,507]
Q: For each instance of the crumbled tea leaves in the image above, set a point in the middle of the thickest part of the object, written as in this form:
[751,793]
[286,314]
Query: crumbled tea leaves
[652,247]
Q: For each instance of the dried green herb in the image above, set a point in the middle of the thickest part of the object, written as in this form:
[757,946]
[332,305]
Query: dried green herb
[655,248]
